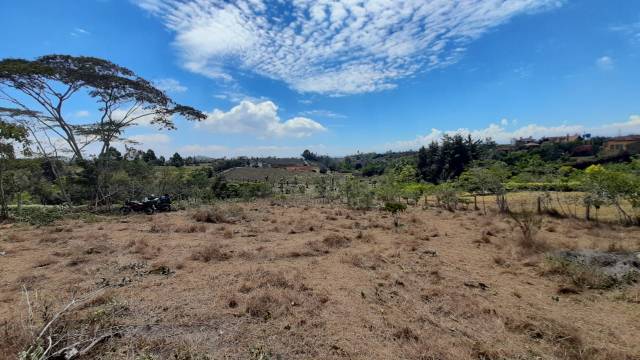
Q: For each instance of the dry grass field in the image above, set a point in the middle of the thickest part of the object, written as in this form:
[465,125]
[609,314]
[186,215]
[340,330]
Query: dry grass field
[275,281]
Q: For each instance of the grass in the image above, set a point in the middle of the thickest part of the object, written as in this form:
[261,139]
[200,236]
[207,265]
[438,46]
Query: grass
[369,291]
[218,214]
[336,241]
[209,253]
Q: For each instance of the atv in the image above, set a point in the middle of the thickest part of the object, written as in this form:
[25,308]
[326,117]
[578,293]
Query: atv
[147,206]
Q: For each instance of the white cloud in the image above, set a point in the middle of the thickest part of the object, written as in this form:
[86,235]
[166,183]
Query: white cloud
[502,135]
[328,46]
[260,119]
[81,114]
[322,113]
[632,31]
[236,96]
[79,32]
[256,151]
[170,85]
[605,63]
[150,139]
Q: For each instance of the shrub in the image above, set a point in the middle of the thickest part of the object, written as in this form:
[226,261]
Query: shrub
[395,208]
[529,224]
[581,275]
[336,240]
[212,215]
[357,194]
[208,253]
[218,214]
[38,215]
[447,196]
[191,228]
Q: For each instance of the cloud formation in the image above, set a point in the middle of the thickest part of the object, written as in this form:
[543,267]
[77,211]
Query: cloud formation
[500,134]
[334,47]
[632,31]
[260,119]
[605,63]
[170,85]
[79,32]
[150,139]
[257,151]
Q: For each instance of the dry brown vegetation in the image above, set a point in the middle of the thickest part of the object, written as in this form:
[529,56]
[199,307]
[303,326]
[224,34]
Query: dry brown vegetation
[271,280]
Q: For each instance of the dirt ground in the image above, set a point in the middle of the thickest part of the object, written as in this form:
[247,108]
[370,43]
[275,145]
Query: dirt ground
[278,281]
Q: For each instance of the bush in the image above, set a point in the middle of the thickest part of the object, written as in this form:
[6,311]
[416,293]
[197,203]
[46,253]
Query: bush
[581,275]
[218,215]
[357,194]
[38,215]
[447,196]
[209,215]
[395,208]
[208,253]
[543,186]
[529,224]
[336,241]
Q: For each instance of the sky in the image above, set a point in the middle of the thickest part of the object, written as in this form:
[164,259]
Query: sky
[276,77]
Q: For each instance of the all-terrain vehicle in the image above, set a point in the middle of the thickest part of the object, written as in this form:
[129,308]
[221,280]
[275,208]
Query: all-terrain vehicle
[148,207]
[162,203]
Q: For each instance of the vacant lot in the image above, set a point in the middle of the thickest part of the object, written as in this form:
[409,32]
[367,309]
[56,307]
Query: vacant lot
[270,281]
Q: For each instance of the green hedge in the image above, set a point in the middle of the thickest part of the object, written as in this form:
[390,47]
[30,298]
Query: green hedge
[542,186]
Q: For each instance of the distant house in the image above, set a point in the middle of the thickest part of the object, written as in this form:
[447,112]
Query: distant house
[582,150]
[629,144]
[523,141]
[505,148]
[284,162]
[561,139]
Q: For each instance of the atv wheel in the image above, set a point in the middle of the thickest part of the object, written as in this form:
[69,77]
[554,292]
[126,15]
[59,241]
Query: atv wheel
[125,210]
[149,211]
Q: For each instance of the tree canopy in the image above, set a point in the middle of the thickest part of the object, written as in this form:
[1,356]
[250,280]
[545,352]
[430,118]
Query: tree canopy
[44,85]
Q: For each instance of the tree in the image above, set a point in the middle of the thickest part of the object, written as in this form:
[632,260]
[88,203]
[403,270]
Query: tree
[429,165]
[176,160]
[423,163]
[487,180]
[357,194]
[10,134]
[612,186]
[124,99]
[149,157]
[309,156]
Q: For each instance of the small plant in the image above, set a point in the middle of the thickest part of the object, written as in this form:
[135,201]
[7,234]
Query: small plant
[529,224]
[395,208]
[259,353]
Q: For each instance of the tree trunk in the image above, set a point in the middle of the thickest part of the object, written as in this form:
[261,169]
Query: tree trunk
[587,211]
[4,209]
[19,203]
[484,206]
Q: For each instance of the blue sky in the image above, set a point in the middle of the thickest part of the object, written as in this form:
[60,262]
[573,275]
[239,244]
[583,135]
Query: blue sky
[276,77]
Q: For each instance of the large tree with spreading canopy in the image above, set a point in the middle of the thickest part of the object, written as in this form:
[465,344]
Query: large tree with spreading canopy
[45,85]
